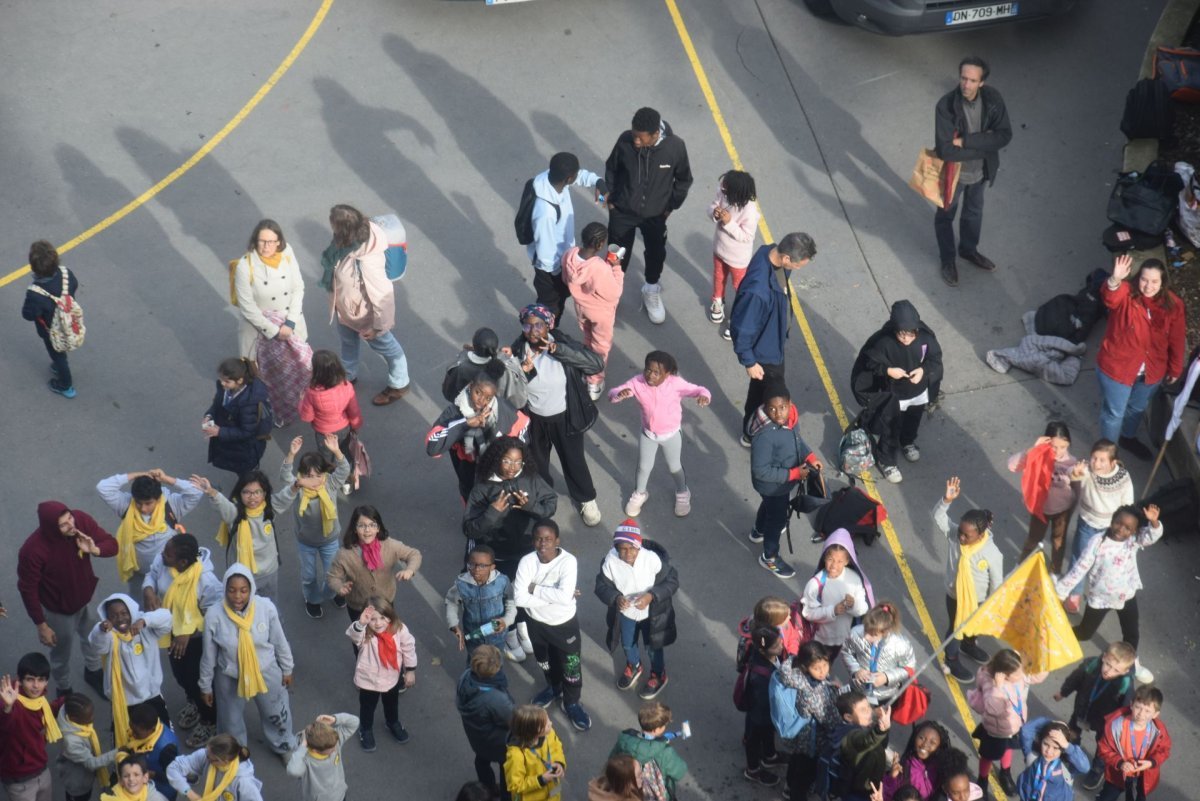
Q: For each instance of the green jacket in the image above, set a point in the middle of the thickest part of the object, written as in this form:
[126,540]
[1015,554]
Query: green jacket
[659,750]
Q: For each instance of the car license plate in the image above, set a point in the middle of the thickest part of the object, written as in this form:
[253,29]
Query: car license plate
[981,13]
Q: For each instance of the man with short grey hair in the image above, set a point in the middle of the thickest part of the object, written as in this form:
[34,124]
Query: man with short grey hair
[759,320]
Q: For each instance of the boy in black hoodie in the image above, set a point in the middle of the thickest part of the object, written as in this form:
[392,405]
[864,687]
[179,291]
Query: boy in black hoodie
[48,277]
[1102,685]
[859,747]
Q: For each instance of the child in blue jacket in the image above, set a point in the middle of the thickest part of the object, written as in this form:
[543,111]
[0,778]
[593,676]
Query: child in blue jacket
[1048,777]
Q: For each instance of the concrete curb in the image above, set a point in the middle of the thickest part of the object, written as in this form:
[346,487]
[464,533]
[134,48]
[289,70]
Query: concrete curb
[1169,32]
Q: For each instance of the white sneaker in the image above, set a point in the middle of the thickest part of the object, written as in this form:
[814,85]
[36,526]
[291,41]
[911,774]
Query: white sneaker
[653,304]
[891,473]
[595,390]
[716,311]
[633,507]
[1142,673]
[512,646]
[590,512]
[523,634]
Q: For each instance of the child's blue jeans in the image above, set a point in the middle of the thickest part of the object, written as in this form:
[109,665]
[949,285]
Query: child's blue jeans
[629,636]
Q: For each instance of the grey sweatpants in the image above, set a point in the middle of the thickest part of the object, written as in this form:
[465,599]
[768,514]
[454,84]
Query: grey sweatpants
[267,585]
[274,714]
[672,446]
[66,628]
[36,789]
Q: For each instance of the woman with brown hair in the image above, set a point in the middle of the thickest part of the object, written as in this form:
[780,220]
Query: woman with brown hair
[363,301]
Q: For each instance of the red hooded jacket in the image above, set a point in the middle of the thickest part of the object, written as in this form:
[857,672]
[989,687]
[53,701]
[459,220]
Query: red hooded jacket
[1141,331]
[50,572]
[1112,749]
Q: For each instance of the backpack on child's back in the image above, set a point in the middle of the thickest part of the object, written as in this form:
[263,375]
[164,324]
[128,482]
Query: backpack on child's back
[66,328]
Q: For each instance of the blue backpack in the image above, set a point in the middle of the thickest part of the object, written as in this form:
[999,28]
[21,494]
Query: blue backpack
[785,714]
[396,257]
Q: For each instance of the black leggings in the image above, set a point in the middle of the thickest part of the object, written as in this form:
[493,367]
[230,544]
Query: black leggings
[366,706]
[759,740]
[1127,617]
[187,675]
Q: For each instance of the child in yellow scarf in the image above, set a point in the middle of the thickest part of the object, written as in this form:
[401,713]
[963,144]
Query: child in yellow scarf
[127,640]
[28,721]
[247,527]
[974,569]
[134,782]
[81,763]
[224,770]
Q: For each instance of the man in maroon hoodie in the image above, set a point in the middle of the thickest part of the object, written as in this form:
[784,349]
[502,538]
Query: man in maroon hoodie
[56,582]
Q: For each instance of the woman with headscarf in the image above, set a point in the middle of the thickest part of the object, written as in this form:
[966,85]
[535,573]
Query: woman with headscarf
[559,407]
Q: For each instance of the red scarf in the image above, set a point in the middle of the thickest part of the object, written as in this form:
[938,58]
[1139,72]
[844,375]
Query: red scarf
[1035,481]
[387,649]
[371,555]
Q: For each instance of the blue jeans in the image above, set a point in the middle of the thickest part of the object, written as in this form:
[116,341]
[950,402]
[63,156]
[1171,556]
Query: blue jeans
[1083,535]
[629,637]
[385,345]
[1122,405]
[314,566]
[58,363]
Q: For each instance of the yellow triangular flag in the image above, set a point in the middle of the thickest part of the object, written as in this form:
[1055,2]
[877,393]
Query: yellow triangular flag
[1025,612]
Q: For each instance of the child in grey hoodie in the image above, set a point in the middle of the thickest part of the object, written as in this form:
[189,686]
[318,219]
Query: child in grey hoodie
[317,760]
[127,640]
[232,683]
[224,765]
[80,762]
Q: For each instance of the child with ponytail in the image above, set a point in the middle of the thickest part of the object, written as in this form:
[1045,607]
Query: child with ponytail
[223,769]
[247,525]
[595,283]
[974,569]
[736,216]
[878,655]
[238,423]
[1049,494]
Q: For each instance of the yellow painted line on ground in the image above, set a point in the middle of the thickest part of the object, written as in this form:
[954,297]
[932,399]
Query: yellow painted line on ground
[839,410]
[208,147]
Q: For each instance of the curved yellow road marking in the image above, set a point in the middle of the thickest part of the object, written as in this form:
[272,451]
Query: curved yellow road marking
[839,410]
[208,147]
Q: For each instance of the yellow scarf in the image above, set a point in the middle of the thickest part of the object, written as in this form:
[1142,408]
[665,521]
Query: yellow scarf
[120,711]
[89,733]
[245,538]
[186,617]
[250,677]
[119,793]
[318,754]
[272,261]
[53,734]
[144,745]
[328,508]
[966,601]
[133,530]
[214,793]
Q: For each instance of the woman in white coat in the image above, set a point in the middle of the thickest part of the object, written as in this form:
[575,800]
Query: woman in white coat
[267,279]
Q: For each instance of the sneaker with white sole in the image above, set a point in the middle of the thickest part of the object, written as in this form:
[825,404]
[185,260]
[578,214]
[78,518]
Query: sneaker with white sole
[188,717]
[590,512]
[777,566]
[745,441]
[1142,673]
[716,311]
[652,302]
[726,334]
[911,452]
[201,735]
[755,536]
[637,499]
[595,390]
[891,473]
[683,503]
[512,646]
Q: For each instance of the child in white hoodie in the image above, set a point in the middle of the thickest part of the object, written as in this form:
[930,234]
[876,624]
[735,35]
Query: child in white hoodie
[127,640]
[735,212]
[837,593]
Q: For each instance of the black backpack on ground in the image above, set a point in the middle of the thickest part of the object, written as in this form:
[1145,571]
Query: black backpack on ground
[1146,201]
[1148,111]
[1179,507]
[524,219]
[1072,317]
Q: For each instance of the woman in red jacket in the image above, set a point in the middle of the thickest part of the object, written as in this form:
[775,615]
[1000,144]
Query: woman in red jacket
[1143,344]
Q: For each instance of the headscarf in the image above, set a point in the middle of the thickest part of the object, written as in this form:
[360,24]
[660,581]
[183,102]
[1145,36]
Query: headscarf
[538,310]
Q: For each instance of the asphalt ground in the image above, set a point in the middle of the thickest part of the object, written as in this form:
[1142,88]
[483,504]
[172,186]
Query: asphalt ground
[440,111]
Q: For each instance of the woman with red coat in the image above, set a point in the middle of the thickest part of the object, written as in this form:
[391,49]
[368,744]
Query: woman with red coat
[1143,345]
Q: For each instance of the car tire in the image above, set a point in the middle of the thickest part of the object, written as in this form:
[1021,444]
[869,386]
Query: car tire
[821,8]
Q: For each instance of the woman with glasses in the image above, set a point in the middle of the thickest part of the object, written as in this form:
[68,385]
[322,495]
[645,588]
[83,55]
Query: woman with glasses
[559,407]
[508,498]
[363,568]
[468,426]
[267,279]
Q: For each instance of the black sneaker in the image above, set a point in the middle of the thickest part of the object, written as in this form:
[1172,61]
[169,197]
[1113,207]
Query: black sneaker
[629,677]
[950,273]
[974,651]
[314,610]
[774,761]
[1007,784]
[960,671]
[398,731]
[654,686]
[754,536]
[761,775]
[366,738]
[339,601]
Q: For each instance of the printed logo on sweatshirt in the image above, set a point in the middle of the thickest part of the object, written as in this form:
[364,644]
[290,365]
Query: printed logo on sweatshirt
[137,649]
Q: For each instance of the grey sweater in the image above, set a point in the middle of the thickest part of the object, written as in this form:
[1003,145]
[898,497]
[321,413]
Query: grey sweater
[76,765]
[309,530]
[987,569]
[221,640]
[262,534]
[323,779]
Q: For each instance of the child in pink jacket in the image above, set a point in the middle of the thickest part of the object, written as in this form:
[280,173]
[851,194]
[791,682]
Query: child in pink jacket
[736,215]
[659,390]
[387,659]
[329,403]
[595,283]
[1001,697]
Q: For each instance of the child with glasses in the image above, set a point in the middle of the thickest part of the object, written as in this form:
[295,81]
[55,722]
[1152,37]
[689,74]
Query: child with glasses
[479,604]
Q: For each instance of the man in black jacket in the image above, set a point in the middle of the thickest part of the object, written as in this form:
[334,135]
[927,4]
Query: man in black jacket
[649,177]
[970,126]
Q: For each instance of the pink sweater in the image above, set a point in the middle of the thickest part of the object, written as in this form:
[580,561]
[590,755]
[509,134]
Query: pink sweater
[331,410]
[733,242]
[369,672]
[594,283]
[662,410]
[1004,709]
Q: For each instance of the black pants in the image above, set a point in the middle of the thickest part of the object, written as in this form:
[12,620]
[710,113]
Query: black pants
[801,772]
[759,740]
[187,675]
[58,361]
[556,648]
[623,227]
[466,474]
[1127,617]
[902,431]
[367,699]
[755,392]
[953,648]
[551,292]
[545,432]
[85,797]
[770,521]
[970,224]
[487,776]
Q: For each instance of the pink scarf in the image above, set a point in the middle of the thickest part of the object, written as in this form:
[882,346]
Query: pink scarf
[371,555]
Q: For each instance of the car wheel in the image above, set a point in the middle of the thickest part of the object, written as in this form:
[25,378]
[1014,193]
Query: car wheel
[822,8]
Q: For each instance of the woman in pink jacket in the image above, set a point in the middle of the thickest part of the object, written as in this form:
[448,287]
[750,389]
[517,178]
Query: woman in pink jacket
[595,284]
[660,392]
[736,214]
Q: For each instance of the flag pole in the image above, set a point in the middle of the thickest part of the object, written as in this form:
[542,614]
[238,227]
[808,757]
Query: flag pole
[1157,463]
[954,634]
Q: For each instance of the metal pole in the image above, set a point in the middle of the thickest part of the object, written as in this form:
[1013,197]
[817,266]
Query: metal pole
[1154,470]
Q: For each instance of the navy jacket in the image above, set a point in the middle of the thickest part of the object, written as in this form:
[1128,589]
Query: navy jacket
[758,322]
[486,708]
[237,447]
[774,451]
[39,308]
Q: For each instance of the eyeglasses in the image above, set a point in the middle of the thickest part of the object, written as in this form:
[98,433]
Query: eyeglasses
[268,241]
[512,462]
[366,525]
[527,327]
[479,565]
[253,492]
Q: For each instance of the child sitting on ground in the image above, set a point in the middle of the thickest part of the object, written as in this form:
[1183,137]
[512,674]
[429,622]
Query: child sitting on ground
[80,763]
[317,760]
[649,745]
[1133,746]
[1102,685]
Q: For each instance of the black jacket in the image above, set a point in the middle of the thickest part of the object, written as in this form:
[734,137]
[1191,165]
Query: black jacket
[39,308]
[1113,695]
[238,447]
[995,133]
[450,429]
[577,362]
[649,181]
[662,610]
[877,392]
[509,533]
